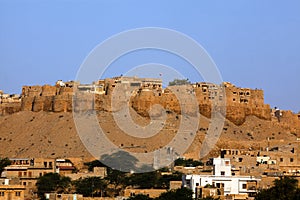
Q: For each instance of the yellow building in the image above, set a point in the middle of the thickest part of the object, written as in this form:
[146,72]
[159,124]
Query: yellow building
[12,192]
[28,170]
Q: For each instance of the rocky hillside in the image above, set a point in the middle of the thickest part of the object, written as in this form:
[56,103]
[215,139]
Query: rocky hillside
[48,134]
[40,122]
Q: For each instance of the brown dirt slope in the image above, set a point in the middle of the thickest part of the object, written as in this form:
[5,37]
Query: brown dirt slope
[48,134]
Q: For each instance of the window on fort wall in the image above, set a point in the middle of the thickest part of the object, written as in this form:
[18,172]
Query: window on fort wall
[18,194]
[222,173]
[291,159]
[281,159]
[1,194]
[244,186]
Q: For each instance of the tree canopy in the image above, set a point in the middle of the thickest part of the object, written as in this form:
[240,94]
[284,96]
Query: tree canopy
[52,182]
[94,163]
[285,188]
[120,180]
[187,162]
[90,186]
[3,163]
[178,194]
[179,82]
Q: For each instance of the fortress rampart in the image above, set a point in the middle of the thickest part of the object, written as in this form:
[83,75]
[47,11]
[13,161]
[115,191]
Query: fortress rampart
[238,102]
[141,94]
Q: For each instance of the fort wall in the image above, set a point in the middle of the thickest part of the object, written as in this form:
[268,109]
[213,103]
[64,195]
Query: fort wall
[238,102]
[141,94]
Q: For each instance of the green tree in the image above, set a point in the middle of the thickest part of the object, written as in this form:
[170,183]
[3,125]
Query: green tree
[139,197]
[118,179]
[187,162]
[90,187]
[143,180]
[179,194]
[3,163]
[179,82]
[52,182]
[94,163]
[153,180]
[284,189]
[164,180]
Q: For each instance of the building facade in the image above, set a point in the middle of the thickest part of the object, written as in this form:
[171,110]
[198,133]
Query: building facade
[11,191]
[223,179]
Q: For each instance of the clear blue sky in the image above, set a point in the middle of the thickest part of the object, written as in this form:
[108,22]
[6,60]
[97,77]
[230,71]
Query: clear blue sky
[254,43]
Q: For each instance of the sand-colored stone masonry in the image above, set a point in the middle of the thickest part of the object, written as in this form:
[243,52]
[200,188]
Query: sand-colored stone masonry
[141,94]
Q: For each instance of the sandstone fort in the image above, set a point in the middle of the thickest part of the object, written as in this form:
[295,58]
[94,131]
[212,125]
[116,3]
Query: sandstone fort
[143,93]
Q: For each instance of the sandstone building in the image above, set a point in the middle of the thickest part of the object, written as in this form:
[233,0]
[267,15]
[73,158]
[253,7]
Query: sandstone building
[10,190]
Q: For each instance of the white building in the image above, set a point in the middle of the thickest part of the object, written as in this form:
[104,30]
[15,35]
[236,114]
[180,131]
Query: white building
[222,178]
